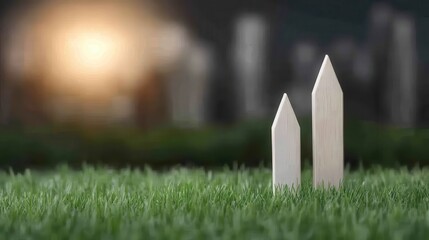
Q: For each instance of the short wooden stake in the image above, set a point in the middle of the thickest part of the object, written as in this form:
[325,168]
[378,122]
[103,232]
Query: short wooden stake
[286,152]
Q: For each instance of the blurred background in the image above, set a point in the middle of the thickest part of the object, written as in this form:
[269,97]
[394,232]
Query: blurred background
[198,82]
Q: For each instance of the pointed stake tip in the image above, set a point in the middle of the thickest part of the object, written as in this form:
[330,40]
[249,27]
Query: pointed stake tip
[326,64]
[327,59]
[325,69]
[285,96]
[285,106]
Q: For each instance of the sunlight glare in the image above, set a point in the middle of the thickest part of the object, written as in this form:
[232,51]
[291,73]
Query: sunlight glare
[93,52]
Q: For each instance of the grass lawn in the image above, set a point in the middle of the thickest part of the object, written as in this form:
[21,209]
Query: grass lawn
[193,204]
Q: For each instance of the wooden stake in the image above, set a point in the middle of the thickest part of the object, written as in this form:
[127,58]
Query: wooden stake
[285,134]
[327,123]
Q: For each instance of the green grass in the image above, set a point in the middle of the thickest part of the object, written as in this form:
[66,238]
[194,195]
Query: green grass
[196,204]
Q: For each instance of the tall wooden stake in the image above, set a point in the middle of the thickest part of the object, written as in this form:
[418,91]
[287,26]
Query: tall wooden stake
[327,123]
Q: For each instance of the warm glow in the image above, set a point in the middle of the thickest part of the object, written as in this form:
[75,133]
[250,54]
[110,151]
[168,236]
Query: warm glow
[92,51]
[84,54]
[89,55]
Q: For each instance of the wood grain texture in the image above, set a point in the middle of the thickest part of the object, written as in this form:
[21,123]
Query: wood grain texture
[327,124]
[286,144]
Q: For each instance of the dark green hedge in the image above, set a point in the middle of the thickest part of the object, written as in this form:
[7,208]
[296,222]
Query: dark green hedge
[245,144]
